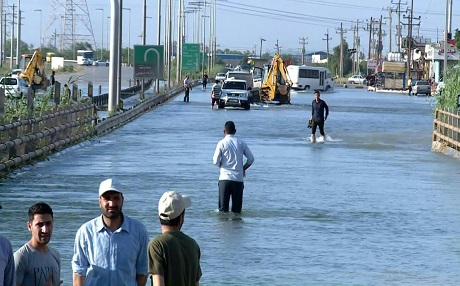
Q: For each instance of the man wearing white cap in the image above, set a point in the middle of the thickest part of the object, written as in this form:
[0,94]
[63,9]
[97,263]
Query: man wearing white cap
[173,256]
[112,248]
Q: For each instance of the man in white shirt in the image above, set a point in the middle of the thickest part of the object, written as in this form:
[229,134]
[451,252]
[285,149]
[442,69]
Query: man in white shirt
[229,158]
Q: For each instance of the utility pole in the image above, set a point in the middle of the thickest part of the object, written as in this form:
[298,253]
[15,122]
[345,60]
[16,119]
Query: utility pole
[410,24]
[277,47]
[380,44]
[447,33]
[327,46]
[341,31]
[18,37]
[302,49]
[356,46]
[390,19]
[12,39]
[2,32]
[398,11]
[261,41]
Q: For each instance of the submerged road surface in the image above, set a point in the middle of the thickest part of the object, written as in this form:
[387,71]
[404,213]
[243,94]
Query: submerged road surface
[371,206]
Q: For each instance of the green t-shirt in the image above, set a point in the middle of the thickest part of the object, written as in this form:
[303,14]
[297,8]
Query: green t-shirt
[176,257]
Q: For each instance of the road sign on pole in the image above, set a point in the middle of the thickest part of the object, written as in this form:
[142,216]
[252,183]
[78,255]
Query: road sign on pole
[149,61]
[191,57]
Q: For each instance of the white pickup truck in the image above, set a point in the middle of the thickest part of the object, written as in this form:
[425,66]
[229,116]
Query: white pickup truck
[235,93]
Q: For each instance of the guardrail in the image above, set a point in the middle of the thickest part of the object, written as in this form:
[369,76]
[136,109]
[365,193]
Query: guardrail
[108,124]
[446,132]
[24,140]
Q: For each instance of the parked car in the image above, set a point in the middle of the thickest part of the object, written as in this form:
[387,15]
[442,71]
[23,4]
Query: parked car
[421,87]
[98,63]
[220,76]
[235,93]
[16,72]
[357,79]
[14,86]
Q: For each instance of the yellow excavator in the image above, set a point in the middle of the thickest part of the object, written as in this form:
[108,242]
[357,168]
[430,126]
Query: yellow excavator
[277,84]
[34,72]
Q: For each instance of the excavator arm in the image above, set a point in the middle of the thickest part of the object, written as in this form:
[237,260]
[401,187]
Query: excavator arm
[277,83]
[34,73]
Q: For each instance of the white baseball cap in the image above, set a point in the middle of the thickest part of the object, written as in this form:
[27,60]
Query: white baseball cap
[172,204]
[109,185]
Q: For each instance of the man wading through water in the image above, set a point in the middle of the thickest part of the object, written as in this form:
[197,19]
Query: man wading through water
[318,106]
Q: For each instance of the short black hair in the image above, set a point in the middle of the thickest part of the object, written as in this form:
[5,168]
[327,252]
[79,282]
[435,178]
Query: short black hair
[172,222]
[230,127]
[39,208]
[317,91]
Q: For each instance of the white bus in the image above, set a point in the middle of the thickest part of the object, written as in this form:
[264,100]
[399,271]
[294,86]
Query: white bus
[85,57]
[310,78]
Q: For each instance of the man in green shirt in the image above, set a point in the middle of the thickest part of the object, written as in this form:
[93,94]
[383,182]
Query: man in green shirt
[173,256]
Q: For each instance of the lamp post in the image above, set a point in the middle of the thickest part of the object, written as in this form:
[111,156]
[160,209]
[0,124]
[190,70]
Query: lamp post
[108,34]
[261,41]
[102,29]
[129,32]
[40,10]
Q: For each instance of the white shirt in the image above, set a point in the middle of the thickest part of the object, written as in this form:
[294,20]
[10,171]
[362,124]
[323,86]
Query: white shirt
[229,157]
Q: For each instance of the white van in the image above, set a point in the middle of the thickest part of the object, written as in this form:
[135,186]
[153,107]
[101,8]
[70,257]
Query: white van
[310,78]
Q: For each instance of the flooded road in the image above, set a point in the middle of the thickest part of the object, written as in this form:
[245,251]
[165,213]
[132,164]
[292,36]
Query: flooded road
[372,206]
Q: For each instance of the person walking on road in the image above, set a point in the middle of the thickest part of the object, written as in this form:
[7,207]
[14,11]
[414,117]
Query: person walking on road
[187,88]
[228,156]
[173,256]
[7,275]
[216,91]
[205,81]
[318,116]
[37,263]
[111,249]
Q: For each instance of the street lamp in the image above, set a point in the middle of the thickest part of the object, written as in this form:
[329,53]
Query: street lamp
[102,29]
[40,10]
[261,41]
[129,31]
[108,33]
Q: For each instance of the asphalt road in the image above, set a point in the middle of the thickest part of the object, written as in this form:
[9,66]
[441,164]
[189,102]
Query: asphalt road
[98,75]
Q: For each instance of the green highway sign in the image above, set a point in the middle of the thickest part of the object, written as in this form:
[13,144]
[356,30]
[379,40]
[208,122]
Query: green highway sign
[191,57]
[149,62]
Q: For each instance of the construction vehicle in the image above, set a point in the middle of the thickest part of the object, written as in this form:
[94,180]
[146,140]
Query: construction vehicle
[276,85]
[34,71]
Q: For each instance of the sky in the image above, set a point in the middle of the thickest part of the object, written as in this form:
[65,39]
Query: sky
[240,24]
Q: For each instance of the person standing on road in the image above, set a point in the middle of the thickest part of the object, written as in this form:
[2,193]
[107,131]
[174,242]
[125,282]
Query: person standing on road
[205,81]
[52,81]
[111,249]
[409,86]
[317,119]
[216,90]
[37,263]
[187,88]
[7,275]
[229,158]
[173,256]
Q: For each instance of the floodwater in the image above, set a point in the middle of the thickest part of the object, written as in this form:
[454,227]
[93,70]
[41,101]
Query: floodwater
[370,206]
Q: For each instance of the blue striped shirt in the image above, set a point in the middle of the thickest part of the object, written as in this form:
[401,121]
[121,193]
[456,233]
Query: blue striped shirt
[110,258]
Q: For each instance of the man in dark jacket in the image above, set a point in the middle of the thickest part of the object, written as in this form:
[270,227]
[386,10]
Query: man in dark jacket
[318,106]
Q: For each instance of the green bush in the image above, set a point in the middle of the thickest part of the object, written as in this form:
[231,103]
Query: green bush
[448,99]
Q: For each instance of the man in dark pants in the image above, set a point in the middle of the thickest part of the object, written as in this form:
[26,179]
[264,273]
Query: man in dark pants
[318,106]
[229,158]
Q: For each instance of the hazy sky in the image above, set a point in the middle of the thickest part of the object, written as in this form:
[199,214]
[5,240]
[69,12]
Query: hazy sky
[241,23]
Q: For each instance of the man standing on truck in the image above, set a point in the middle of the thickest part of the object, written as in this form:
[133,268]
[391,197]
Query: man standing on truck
[216,90]
[317,119]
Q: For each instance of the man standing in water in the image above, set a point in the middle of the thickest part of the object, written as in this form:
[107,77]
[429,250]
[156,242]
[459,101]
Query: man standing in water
[187,88]
[36,263]
[174,257]
[318,106]
[229,158]
[111,249]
